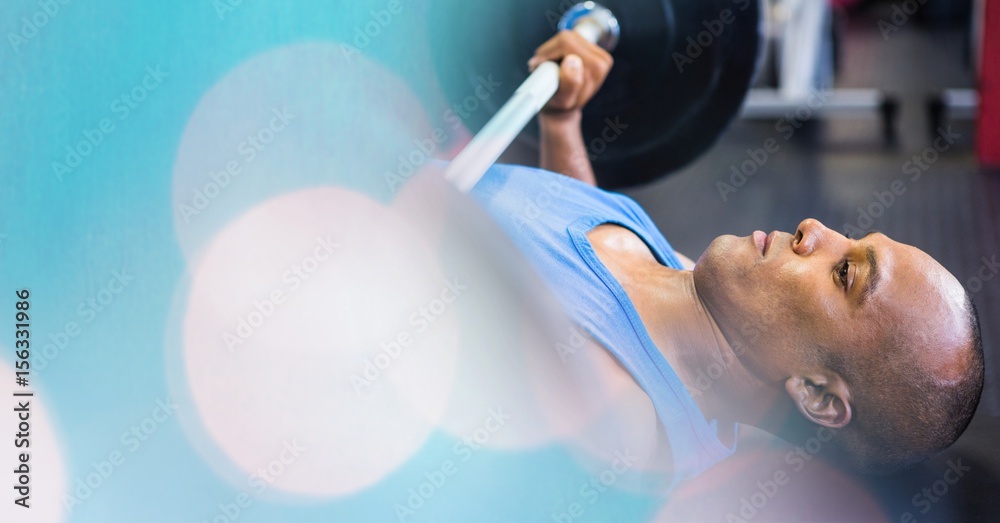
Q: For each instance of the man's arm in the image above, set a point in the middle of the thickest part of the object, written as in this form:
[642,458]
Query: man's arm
[582,70]
[562,147]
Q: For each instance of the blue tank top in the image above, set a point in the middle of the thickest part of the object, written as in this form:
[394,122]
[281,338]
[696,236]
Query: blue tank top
[548,216]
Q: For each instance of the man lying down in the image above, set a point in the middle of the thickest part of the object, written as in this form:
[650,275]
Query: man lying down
[867,337]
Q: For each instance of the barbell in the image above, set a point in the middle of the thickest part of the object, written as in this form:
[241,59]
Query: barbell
[682,69]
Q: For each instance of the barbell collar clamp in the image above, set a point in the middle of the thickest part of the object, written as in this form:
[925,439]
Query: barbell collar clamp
[595,22]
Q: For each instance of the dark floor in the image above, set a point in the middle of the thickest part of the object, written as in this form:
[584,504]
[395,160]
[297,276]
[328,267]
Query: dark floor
[828,171]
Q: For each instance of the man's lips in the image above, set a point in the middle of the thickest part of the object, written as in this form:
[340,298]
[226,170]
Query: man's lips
[760,238]
[764,241]
[769,241]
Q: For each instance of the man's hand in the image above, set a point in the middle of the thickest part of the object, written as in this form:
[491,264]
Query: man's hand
[583,68]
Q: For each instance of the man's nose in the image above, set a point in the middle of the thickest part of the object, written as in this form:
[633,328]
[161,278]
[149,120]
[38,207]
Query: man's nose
[808,237]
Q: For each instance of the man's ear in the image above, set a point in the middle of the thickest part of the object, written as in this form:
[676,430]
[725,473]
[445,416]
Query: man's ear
[822,397]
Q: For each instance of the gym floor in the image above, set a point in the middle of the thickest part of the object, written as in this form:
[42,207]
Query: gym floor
[829,170]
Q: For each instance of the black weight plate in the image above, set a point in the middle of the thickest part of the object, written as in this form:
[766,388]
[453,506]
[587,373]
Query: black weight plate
[652,117]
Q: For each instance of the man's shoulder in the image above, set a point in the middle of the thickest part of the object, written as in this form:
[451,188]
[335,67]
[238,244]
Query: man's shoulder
[533,191]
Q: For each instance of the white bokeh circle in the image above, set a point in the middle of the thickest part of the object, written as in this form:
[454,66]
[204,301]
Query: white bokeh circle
[278,348]
[293,117]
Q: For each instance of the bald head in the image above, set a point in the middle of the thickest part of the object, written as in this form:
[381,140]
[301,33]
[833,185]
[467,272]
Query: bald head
[917,399]
[867,335]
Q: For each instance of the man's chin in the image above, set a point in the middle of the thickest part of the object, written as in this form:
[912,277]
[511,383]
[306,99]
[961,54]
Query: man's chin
[725,245]
[717,258]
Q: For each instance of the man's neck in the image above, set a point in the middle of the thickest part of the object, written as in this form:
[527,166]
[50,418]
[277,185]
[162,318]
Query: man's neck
[690,339]
[686,333]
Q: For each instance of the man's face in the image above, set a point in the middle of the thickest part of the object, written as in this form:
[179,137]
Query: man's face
[785,295]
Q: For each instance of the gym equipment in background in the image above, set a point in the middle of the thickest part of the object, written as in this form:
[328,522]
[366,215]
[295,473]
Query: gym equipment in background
[682,69]
[802,45]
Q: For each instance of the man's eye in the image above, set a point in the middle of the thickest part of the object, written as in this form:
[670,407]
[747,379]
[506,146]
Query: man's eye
[842,273]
